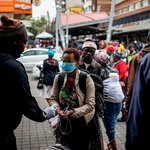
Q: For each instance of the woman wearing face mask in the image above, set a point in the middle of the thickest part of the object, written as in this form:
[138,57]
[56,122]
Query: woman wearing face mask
[75,109]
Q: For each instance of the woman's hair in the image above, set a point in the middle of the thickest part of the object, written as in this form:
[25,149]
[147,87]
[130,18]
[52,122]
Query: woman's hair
[72,51]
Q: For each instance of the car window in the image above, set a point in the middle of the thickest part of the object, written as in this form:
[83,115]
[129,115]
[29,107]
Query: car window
[29,53]
[40,52]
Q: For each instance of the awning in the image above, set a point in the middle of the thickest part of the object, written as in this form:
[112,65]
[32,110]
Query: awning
[85,23]
[44,35]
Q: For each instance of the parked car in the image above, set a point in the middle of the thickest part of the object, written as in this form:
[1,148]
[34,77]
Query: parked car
[32,56]
[38,66]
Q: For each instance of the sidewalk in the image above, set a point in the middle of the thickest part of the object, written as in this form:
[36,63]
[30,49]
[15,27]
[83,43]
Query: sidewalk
[31,135]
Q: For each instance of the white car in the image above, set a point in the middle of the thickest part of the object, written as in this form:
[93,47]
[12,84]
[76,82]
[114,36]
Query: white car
[36,69]
[32,56]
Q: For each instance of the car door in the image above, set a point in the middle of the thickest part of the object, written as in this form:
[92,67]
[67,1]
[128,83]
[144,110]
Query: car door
[27,58]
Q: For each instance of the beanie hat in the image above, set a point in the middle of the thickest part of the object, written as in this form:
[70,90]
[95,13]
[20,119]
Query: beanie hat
[89,44]
[102,57]
[110,48]
[79,47]
[11,27]
[117,55]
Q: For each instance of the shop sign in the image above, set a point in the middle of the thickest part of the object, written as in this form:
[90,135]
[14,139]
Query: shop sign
[22,6]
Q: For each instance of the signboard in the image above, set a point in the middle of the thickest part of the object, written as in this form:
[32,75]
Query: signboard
[36,2]
[77,10]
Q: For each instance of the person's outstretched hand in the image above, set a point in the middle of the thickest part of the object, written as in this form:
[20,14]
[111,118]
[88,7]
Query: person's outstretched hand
[50,112]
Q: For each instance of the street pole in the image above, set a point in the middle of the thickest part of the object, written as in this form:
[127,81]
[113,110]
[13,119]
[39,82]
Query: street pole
[112,11]
[67,29]
[56,29]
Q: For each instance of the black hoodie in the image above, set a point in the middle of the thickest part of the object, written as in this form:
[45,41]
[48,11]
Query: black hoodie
[16,99]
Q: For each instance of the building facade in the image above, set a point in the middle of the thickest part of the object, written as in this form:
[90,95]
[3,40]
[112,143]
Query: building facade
[97,6]
[132,19]
[16,9]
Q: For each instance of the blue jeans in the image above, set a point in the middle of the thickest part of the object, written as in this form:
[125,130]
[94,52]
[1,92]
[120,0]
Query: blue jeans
[110,118]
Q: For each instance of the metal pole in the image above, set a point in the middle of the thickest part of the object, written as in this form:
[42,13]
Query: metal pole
[61,31]
[112,11]
[67,29]
[56,30]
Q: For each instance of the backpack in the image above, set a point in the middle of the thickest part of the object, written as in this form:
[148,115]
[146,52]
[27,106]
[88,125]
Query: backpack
[98,82]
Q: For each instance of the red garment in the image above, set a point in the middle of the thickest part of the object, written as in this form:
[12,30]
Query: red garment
[122,68]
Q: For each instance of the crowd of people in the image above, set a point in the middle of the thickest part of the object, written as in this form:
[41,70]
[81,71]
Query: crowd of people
[125,76]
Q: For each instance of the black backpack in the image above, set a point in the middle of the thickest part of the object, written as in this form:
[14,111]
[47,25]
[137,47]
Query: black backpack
[98,82]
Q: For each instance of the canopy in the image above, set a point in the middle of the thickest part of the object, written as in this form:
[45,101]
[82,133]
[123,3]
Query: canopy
[44,35]
[29,34]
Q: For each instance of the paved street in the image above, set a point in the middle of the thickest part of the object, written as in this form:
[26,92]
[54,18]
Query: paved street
[38,136]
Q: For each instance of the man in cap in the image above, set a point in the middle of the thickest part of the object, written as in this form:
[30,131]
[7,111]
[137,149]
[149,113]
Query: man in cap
[87,61]
[15,90]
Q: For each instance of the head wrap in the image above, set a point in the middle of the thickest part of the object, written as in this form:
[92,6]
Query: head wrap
[117,55]
[51,53]
[89,44]
[11,27]
[102,57]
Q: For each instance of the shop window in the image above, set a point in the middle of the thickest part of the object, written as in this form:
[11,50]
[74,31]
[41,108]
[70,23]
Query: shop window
[131,7]
[137,5]
[145,3]
[125,10]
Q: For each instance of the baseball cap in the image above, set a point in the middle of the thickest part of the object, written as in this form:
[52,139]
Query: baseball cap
[110,48]
[89,44]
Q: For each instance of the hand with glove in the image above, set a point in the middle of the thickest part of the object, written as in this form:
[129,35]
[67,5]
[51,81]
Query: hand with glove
[49,112]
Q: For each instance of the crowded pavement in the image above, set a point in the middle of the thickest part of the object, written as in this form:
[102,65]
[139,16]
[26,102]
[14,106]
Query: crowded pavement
[31,135]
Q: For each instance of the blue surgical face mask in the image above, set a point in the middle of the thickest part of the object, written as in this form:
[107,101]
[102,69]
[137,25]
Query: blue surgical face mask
[68,67]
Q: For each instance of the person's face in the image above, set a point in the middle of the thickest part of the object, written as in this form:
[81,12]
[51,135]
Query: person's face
[132,49]
[109,52]
[88,55]
[69,58]
[19,45]
[115,59]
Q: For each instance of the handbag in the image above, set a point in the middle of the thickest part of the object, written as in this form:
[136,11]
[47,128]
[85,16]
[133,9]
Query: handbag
[40,84]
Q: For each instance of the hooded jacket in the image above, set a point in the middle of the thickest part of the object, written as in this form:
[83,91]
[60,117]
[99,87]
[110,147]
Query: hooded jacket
[16,98]
[131,73]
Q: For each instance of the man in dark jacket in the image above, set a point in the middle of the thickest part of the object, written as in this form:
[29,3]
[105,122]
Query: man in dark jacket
[16,98]
[132,70]
[87,61]
[137,131]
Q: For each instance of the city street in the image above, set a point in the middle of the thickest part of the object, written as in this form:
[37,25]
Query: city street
[38,136]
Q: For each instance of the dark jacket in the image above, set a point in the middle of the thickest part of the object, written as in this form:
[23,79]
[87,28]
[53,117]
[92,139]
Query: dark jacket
[50,68]
[131,74]
[94,67]
[16,98]
[138,124]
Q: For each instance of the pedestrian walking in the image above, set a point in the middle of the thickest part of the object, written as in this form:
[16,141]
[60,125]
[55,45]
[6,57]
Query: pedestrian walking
[49,70]
[16,97]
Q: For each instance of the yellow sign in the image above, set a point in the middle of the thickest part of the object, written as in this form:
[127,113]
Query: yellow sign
[76,10]
[36,2]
